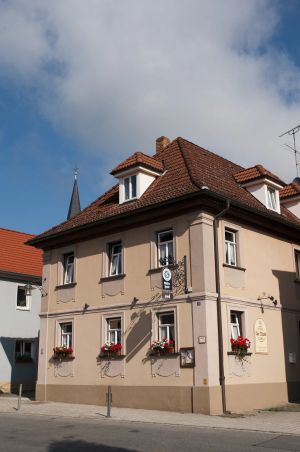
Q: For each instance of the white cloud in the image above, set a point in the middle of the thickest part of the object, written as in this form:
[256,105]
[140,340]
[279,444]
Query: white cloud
[114,75]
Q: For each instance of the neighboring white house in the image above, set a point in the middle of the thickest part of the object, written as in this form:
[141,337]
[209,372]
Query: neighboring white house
[20,265]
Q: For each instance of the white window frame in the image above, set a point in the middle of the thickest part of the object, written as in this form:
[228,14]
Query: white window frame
[231,247]
[165,244]
[65,338]
[272,198]
[22,346]
[168,326]
[131,195]
[118,256]
[297,263]
[236,327]
[66,266]
[28,300]
[114,334]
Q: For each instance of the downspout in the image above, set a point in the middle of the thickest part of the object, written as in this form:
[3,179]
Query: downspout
[219,307]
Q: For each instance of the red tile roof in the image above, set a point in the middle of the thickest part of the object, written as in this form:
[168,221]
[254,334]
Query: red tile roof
[188,168]
[139,158]
[255,172]
[290,190]
[16,257]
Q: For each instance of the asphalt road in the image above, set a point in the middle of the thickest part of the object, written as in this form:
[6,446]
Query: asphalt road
[47,434]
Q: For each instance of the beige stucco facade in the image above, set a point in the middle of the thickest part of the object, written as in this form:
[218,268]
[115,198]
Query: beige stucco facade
[265,266]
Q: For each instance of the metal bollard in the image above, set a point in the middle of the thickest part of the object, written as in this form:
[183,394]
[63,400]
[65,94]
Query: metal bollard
[108,401]
[20,397]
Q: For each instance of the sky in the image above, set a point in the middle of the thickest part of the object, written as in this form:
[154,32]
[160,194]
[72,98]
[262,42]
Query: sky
[87,83]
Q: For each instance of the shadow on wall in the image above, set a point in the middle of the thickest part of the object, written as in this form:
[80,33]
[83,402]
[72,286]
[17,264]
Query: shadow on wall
[25,373]
[289,293]
[138,333]
[83,446]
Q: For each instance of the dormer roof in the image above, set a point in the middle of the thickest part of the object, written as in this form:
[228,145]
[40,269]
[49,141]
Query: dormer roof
[289,191]
[255,173]
[139,159]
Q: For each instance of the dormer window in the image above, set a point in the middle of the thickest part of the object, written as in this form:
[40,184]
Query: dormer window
[136,174]
[272,199]
[130,187]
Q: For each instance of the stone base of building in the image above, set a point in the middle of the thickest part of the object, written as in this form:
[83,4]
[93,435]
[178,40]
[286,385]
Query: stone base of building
[206,400]
[4,387]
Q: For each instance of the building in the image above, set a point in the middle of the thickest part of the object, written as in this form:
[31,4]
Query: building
[20,265]
[229,236]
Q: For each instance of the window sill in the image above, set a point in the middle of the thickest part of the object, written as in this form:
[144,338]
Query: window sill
[63,358]
[65,286]
[159,269]
[234,353]
[110,357]
[234,267]
[163,354]
[112,278]
[20,308]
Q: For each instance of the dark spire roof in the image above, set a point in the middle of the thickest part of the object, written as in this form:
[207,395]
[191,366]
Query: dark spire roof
[74,208]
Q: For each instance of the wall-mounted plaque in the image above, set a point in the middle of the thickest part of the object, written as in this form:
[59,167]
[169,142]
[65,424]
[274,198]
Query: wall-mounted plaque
[187,357]
[261,337]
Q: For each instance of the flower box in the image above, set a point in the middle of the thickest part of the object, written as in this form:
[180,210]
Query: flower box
[110,349]
[63,353]
[163,347]
[240,347]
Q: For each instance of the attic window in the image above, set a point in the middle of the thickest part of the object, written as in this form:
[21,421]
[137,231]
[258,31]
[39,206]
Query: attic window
[130,187]
[272,199]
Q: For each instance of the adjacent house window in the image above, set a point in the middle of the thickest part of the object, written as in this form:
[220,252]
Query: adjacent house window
[297,263]
[69,276]
[130,187]
[230,247]
[23,350]
[165,248]
[113,329]
[236,324]
[66,333]
[271,198]
[166,326]
[115,259]
[23,300]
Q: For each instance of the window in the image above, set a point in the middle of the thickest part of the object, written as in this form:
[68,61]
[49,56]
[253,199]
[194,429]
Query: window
[165,248]
[114,330]
[271,198]
[66,331]
[68,268]
[236,324]
[130,187]
[115,259]
[166,326]
[23,349]
[297,262]
[23,300]
[230,247]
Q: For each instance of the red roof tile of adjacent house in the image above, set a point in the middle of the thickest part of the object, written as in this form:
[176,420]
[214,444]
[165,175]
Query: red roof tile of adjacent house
[255,172]
[16,257]
[188,167]
[290,190]
[139,158]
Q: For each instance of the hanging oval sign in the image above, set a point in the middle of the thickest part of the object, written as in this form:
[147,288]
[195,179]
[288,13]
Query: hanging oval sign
[167,279]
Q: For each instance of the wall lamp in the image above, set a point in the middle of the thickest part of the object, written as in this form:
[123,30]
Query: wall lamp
[30,287]
[264,296]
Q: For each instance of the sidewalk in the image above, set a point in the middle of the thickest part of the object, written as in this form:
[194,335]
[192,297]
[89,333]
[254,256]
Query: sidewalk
[282,422]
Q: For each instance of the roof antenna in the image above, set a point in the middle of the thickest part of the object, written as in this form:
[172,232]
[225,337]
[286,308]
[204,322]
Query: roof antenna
[293,132]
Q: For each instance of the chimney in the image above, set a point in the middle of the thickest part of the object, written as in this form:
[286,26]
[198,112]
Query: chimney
[161,143]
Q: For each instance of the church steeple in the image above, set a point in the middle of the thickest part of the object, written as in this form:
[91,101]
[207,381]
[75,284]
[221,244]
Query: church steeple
[74,208]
